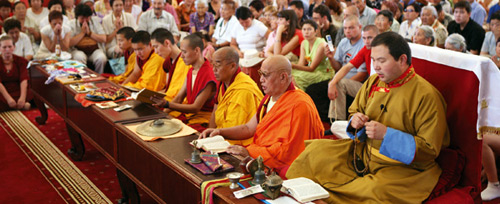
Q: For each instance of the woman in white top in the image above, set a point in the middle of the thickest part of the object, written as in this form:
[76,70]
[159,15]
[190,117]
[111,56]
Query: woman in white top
[113,22]
[21,41]
[409,27]
[250,34]
[36,11]
[130,7]
[56,33]
[53,6]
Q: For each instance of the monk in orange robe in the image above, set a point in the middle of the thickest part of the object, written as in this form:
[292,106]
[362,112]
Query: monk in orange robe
[285,118]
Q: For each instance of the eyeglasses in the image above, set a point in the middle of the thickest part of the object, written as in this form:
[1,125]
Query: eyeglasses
[266,75]
[218,65]
[409,10]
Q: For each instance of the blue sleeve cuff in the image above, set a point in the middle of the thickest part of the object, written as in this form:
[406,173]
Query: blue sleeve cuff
[398,145]
[361,132]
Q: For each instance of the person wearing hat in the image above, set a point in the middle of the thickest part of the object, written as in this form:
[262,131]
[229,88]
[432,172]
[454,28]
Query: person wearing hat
[87,38]
[198,89]
[158,18]
[164,44]
[250,64]
[238,96]
[285,118]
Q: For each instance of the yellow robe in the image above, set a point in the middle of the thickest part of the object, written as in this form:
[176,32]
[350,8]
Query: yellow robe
[177,79]
[153,77]
[238,105]
[128,70]
[415,111]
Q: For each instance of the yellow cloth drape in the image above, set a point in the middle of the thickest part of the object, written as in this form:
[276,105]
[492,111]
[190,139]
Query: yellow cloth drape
[128,70]
[177,79]
[153,77]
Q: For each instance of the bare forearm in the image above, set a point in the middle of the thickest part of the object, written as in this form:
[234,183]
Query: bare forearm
[237,133]
[76,39]
[98,37]
[24,89]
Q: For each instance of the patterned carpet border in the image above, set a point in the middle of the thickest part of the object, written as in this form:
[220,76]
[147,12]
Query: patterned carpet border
[71,179]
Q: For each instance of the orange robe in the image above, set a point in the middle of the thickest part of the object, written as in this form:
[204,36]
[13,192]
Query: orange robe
[280,134]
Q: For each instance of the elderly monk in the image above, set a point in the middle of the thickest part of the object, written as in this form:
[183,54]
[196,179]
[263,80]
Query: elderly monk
[148,70]
[285,118]
[237,97]
[399,119]
[198,88]
[164,44]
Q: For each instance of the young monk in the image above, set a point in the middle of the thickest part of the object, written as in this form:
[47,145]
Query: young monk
[148,71]
[124,42]
[199,87]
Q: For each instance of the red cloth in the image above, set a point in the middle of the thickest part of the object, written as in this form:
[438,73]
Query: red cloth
[169,67]
[296,51]
[141,62]
[363,56]
[12,80]
[253,72]
[203,78]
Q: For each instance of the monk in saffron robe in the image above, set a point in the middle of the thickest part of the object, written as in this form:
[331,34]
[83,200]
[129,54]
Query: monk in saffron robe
[237,97]
[285,118]
[124,42]
[148,72]
[164,44]
[198,89]
[401,118]
[14,93]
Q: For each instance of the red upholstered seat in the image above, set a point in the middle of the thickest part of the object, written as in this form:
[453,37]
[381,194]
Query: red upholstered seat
[460,90]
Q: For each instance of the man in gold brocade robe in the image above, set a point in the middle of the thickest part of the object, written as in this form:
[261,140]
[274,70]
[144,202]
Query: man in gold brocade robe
[400,119]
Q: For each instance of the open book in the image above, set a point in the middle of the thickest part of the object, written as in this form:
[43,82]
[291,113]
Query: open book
[304,189]
[213,144]
[144,95]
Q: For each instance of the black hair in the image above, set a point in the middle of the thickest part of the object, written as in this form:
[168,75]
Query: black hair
[5,3]
[205,37]
[141,37]
[162,34]
[289,15]
[127,32]
[112,1]
[257,5]
[463,4]
[387,14]
[416,6]
[396,44]
[312,23]
[495,16]
[18,2]
[83,10]
[195,41]
[29,1]
[323,11]
[243,13]
[11,24]
[55,2]
[297,3]
[439,8]
[55,15]
[498,40]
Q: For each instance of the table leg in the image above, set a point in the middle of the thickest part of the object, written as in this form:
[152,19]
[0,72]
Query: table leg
[129,190]
[43,111]
[77,149]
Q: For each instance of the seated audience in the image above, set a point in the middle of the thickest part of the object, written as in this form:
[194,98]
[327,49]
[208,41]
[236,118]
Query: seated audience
[249,34]
[14,93]
[227,22]
[284,120]
[164,45]
[489,44]
[272,17]
[429,17]
[124,42]
[55,33]
[202,20]
[36,11]
[298,7]
[393,8]
[158,18]
[184,10]
[456,42]
[288,36]
[54,5]
[5,11]
[469,29]
[477,12]
[214,8]
[445,5]
[336,9]
[68,8]
[340,86]
[257,8]
[21,41]
[198,89]
[394,162]
[87,37]
[136,11]
[348,49]
[113,22]
[103,7]
[312,67]
[321,15]
[148,72]
[238,96]
[496,58]
[28,26]
[443,17]
[383,21]
[411,23]
[424,36]
[349,11]
[366,14]
[266,14]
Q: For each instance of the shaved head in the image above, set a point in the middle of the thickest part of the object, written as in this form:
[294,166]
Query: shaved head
[276,75]
[278,62]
